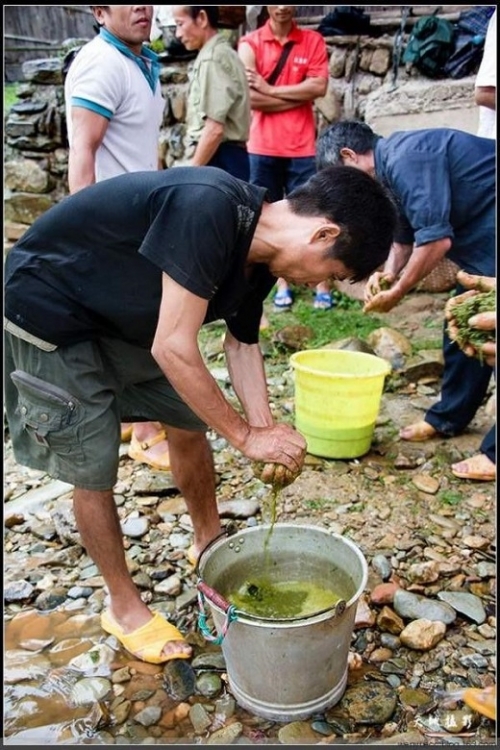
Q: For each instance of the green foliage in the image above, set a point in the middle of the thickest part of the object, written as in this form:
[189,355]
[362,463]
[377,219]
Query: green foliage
[357,507]
[158,46]
[9,96]
[319,504]
[462,311]
[450,497]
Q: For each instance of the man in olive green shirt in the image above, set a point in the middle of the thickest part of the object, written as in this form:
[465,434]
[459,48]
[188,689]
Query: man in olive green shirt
[218,116]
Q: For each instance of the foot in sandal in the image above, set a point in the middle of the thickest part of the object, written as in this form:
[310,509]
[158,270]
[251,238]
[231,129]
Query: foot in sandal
[478,467]
[418,432]
[155,642]
[149,445]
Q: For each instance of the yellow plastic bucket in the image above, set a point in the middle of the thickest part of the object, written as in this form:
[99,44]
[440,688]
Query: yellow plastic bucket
[337,400]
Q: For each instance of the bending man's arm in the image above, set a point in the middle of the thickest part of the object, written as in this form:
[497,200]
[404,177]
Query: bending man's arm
[176,350]
[248,378]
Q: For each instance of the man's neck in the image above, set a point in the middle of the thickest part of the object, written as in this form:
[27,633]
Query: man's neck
[281,30]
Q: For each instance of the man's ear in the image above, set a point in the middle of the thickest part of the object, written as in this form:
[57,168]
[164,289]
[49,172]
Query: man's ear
[202,15]
[348,156]
[326,233]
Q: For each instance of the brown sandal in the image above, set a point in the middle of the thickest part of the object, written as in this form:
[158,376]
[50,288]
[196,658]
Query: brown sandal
[418,432]
[137,451]
[478,467]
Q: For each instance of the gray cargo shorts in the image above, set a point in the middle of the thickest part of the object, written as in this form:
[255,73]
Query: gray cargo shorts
[64,407]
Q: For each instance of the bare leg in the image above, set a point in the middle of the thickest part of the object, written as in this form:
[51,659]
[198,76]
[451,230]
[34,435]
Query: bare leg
[99,527]
[193,471]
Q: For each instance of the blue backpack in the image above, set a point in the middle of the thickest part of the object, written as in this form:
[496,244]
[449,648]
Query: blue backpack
[430,44]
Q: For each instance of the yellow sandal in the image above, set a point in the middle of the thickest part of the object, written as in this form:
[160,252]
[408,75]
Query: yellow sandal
[137,451]
[147,642]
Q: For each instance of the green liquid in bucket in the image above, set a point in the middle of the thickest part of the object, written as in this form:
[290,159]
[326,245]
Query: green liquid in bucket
[282,599]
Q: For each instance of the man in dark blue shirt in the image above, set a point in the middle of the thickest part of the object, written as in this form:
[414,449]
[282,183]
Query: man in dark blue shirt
[105,296]
[444,181]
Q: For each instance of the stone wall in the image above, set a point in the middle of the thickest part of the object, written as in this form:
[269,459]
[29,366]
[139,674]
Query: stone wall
[362,85]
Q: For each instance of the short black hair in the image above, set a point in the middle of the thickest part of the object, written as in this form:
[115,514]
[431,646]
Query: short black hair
[212,12]
[361,206]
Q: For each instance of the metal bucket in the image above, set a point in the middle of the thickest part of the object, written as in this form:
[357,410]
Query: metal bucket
[283,669]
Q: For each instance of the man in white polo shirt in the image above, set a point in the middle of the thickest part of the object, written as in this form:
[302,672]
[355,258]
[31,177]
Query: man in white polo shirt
[114,111]
[486,83]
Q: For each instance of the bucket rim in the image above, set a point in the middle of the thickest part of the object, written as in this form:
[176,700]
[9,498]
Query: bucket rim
[292,621]
[385,366]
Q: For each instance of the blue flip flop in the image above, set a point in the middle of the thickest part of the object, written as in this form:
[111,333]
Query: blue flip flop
[283,299]
[323,301]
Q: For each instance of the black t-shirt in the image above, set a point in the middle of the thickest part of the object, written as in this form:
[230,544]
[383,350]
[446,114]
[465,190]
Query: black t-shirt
[91,266]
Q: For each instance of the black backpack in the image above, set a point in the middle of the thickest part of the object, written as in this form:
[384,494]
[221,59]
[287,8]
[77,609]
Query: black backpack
[470,35]
[346,20]
[430,44]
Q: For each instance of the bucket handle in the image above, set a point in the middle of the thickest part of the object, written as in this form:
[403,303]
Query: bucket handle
[206,591]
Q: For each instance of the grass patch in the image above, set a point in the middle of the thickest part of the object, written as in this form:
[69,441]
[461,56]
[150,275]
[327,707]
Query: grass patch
[345,320]
[449,497]
[319,504]
[9,96]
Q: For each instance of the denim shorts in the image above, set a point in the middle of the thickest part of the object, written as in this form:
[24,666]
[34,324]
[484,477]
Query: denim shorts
[64,407]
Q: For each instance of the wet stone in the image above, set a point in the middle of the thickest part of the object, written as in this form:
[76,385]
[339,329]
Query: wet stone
[415,698]
[415,606]
[18,591]
[296,733]
[225,706]
[121,711]
[208,684]
[474,660]
[461,720]
[90,689]
[394,666]
[382,566]
[51,599]
[322,727]
[77,592]
[370,703]
[135,527]
[199,718]
[465,603]
[148,716]
[179,679]
[423,634]
[226,735]
[20,665]
[209,660]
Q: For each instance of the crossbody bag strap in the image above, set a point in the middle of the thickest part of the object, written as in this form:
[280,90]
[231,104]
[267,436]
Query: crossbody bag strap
[287,48]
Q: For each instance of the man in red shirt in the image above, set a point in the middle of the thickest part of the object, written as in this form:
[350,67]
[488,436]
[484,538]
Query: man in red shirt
[282,143]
